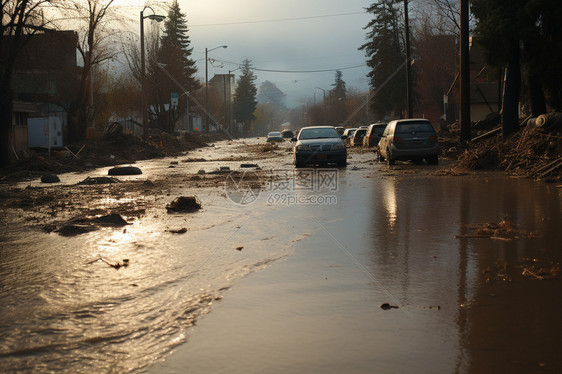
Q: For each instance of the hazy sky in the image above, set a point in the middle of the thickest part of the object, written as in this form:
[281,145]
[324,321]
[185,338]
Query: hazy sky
[294,35]
[304,43]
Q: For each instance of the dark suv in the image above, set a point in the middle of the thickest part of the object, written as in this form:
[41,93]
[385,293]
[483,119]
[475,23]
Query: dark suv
[409,139]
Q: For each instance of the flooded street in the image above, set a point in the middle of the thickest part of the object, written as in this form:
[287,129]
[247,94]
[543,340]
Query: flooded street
[363,269]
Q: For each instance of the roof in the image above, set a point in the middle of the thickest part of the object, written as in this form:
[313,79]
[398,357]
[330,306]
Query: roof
[318,127]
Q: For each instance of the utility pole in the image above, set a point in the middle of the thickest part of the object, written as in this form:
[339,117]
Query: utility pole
[207,84]
[409,91]
[157,18]
[143,79]
[465,75]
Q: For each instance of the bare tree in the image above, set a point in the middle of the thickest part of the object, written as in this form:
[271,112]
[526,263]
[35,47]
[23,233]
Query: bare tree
[132,56]
[443,16]
[95,19]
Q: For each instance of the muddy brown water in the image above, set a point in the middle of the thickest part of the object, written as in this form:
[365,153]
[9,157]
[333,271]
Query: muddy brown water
[294,285]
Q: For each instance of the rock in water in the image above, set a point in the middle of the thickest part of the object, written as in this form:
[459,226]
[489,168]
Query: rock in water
[184,204]
[49,178]
[124,170]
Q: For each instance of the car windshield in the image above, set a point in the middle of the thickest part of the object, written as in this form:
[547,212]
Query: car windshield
[405,128]
[274,134]
[318,133]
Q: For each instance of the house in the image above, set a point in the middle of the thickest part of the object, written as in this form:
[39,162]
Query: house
[44,82]
[485,86]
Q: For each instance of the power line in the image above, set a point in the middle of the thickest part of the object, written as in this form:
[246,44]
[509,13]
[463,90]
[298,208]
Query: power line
[278,20]
[308,71]
[292,71]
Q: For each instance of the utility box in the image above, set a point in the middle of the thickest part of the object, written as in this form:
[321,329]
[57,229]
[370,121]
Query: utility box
[45,132]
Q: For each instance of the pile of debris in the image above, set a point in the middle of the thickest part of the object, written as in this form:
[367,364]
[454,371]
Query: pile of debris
[534,151]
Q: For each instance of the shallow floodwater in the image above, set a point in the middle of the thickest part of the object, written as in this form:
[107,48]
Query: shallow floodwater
[61,310]
[464,304]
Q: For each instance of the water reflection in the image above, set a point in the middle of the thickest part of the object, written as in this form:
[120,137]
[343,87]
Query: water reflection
[388,191]
[493,316]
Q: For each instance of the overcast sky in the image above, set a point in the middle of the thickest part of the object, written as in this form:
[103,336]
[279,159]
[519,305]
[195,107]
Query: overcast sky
[295,35]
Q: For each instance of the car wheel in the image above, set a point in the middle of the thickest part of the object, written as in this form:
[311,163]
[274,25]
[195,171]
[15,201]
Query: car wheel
[389,158]
[433,160]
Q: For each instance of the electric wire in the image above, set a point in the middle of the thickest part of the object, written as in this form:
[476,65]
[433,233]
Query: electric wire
[278,20]
[291,71]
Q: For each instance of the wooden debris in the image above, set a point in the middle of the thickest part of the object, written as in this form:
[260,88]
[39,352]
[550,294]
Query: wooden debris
[533,152]
[116,265]
[504,230]
[541,273]
[183,230]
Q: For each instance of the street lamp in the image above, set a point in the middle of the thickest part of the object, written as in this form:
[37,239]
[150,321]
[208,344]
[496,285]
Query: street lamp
[207,84]
[157,18]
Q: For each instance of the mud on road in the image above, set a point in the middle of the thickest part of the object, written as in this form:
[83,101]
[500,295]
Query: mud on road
[56,207]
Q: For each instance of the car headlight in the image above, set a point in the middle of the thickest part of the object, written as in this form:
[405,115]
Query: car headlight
[303,147]
[338,147]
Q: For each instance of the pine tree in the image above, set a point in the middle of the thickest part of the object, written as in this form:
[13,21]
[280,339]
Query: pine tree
[244,103]
[337,99]
[385,52]
[175,52]
[340,91]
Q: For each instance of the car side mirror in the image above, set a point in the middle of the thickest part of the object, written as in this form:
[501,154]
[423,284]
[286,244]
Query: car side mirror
[344,137]
[293,139]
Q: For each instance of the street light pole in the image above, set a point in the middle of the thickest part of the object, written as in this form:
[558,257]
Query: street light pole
[409,90]
[143,96]
[207,84]
[157,18]
[465,74]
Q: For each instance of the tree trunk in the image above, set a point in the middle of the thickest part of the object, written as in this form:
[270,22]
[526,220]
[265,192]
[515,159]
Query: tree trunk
[5,125]
[536,94]
[510,112]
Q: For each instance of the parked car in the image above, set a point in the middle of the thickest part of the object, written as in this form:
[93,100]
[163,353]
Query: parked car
[409,139]
[287,134]
[348,133]
[373,135]
[274,136]
[357,139]
[319,145]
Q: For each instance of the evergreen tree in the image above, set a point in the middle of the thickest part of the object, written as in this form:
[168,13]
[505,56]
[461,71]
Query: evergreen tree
[175,53]
[340,91]
[175,50]
[385,52]
[244,103]
[337,100]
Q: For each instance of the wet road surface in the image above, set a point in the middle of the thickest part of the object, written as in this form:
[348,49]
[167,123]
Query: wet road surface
[329,255]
